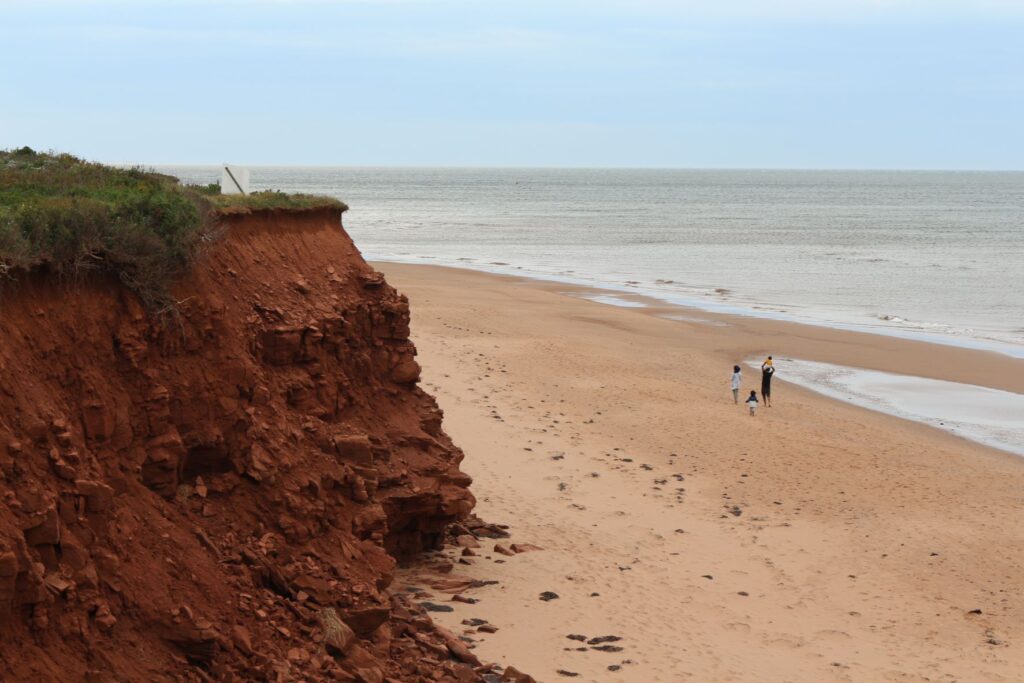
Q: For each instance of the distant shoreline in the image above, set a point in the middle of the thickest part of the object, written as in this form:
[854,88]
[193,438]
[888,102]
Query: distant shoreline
[749,336]
[980,367]
[639,294]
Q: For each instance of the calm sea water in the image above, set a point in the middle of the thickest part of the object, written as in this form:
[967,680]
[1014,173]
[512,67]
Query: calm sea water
[933,254]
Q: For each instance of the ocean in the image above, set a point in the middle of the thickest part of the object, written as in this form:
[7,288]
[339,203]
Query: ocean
[937,255]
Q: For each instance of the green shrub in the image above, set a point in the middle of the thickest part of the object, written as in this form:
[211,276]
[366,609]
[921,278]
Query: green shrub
[271,200]
[74,216]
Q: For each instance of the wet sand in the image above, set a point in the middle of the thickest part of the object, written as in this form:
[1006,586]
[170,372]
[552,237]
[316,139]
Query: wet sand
[989,416]
[816,541]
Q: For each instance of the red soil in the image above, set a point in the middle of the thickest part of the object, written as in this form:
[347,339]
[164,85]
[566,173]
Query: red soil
[197,498]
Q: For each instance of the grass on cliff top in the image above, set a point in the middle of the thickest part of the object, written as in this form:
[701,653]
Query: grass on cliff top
[74,216]
[268,200]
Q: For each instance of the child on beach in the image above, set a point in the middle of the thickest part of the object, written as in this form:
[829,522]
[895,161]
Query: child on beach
[752,402]
[736,384]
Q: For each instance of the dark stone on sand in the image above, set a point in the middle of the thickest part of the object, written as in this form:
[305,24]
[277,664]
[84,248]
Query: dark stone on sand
[513,675]
[708,577]
[576,636]
[433,607]
[503,549]
[568,674]
[548,595]
[603,639]
[607,648]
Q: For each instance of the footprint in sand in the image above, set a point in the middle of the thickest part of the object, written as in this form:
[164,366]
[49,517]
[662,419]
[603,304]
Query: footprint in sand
[738,626]
[832,634]
[785,641]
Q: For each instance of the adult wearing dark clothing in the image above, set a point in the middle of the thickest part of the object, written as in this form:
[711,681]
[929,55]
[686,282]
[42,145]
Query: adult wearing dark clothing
[767,370]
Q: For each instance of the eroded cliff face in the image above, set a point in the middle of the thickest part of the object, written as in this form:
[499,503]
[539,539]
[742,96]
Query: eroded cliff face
[221,495]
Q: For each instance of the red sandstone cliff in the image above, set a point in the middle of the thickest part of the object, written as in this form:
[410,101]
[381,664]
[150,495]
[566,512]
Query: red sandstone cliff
[221,495]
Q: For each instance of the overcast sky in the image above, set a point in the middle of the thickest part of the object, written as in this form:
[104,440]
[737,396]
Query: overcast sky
[721,83]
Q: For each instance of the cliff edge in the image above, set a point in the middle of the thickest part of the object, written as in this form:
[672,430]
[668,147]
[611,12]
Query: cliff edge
[221,493]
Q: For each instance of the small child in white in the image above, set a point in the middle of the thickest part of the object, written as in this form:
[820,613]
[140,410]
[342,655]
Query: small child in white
[752,402]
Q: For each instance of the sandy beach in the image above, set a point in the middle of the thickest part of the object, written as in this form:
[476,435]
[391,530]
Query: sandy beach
[816,541]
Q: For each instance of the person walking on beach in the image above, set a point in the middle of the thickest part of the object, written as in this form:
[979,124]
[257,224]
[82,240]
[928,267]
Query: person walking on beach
[752,402]
[767,370]
[736,384]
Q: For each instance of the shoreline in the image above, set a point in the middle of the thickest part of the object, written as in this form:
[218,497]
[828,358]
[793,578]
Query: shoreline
[817,541]
[941,363]
[964,365]
[990,417]
[752,309]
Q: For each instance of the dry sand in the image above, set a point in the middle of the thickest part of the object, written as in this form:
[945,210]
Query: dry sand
[816,541]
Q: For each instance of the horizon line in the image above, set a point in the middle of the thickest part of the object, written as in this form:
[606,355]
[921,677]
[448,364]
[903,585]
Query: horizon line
[560,167]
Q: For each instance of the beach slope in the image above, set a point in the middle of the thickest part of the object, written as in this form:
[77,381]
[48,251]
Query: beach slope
[816,541]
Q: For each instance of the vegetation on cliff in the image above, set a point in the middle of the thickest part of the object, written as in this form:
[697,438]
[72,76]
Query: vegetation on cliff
[74,216]
[268,200]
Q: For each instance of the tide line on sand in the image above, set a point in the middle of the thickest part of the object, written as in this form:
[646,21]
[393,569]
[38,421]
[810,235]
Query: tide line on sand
[989,416]
[612,300]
